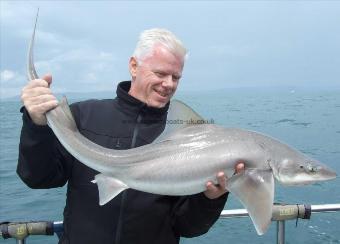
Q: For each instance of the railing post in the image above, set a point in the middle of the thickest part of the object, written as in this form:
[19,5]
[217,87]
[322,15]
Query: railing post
[21,241]
[280,232]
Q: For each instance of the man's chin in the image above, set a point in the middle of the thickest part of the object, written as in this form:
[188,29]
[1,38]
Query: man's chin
[157,104]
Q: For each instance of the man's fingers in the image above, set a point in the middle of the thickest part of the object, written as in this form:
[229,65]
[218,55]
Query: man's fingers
[221,183]
[42,99]
[239,167]
[214,191]
[34,92]
[212,188]
[42,108]
[221,179]
[47,78]
[36,83]
[210,185]
[38,103]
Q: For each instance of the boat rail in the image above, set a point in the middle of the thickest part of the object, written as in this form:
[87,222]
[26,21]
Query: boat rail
[281,213]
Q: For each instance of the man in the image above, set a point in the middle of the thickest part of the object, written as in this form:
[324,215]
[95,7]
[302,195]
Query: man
[134,118]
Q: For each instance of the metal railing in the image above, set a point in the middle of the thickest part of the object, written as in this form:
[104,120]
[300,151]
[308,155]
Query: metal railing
[281,212]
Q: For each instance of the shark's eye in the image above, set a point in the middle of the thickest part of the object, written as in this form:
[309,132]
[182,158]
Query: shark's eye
[301,167]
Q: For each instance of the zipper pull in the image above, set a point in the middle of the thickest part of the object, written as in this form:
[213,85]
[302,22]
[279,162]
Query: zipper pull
[118,145]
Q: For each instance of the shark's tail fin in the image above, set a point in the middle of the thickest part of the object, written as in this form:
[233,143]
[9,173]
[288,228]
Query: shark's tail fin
[68,114]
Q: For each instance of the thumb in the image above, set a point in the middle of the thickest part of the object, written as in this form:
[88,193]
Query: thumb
[48,78]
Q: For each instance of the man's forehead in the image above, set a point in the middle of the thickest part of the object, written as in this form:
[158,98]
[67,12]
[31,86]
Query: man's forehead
[162,52]
[164,60]
[166,68]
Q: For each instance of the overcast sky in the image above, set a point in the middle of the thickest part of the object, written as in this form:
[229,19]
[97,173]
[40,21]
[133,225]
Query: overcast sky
[86,45]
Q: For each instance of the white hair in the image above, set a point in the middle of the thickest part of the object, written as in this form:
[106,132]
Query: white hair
[149,38]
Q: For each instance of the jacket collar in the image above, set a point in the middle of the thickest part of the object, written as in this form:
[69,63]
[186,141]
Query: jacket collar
[133,103]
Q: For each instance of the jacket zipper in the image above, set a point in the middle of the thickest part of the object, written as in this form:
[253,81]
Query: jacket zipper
[124,194]
[135,131]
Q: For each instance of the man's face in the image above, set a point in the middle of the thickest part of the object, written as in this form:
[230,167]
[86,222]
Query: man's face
[155,79]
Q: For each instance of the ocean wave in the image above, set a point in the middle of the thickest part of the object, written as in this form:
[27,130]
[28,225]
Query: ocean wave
[302,123]
[292,122]
[285,121]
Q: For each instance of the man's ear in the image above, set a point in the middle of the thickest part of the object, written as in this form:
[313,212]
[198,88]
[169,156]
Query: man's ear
[133,67]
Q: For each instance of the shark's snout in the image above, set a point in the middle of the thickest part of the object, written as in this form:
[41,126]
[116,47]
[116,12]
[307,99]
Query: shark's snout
[328,173]
[319,171]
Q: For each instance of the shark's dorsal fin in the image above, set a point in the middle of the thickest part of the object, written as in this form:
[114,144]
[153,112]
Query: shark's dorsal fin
[179,116]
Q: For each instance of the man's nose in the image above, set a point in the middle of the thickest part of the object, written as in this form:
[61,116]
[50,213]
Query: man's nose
[168,81]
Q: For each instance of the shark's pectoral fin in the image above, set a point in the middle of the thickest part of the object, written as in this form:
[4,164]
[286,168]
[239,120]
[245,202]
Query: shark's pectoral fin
[255,189]
[108,187]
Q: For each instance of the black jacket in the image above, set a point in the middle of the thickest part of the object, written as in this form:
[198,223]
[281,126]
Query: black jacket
[132,217]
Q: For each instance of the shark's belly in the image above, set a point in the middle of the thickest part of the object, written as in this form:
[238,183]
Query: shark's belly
[184,173]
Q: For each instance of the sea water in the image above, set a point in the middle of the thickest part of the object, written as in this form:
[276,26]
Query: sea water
[308,120]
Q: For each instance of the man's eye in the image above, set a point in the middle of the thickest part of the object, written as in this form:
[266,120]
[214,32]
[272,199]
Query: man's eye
[175,78]
[159,74]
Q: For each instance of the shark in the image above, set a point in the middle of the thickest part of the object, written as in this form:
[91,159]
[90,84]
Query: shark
[188,154]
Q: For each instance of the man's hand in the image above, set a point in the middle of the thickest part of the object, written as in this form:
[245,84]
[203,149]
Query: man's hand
[215,191]
[38,99]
